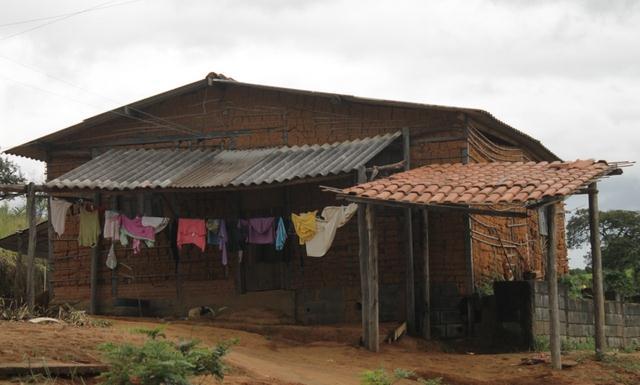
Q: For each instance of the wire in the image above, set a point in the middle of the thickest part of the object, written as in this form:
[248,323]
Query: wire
[84,103]
[104,5]
[108,4]
[42,18]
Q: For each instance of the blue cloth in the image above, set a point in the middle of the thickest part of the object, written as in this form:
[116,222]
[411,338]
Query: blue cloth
[281,235]
[213,231]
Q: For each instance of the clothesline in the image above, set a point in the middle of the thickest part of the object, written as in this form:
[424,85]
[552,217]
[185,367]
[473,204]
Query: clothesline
[315,232]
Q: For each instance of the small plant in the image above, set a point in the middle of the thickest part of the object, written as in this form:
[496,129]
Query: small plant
[541,344]
[159,361]
[151,333]
[431,381]
[571,344]
[382,377]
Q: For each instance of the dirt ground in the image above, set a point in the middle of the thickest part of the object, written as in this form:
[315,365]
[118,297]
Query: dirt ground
[296,355]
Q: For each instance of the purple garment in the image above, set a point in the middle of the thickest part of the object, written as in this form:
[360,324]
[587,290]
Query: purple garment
[260,230]
[135,229]
[223,238]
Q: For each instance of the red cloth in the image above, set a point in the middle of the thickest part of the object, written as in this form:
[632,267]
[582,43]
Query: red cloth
[191,231]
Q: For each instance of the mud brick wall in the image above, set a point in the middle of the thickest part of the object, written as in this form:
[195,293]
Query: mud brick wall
[326,289]
[507,248]
[622,320]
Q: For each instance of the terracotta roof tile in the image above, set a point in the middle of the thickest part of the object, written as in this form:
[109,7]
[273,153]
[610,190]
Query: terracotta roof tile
[484,183]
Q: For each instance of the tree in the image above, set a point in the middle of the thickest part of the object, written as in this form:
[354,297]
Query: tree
[620,238]
[9,174]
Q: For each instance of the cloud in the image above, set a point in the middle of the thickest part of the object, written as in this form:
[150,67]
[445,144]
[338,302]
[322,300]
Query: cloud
[566,72]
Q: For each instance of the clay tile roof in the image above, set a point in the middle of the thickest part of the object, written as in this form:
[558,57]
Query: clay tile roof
[485,183]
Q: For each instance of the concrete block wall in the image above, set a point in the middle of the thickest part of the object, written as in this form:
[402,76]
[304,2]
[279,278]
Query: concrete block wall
[622,320]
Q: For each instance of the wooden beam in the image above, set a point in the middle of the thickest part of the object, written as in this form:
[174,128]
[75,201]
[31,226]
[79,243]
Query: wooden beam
[31,247]
[596,271]
[410,295]
[363,253]
[552,282]
[426,278]
[95,255]
[373,339]
[471,210]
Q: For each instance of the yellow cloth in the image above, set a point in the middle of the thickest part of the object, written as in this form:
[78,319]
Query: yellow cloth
[305,225]
[89,228]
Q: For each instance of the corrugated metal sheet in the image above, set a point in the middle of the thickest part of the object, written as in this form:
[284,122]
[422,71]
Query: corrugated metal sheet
[127,169]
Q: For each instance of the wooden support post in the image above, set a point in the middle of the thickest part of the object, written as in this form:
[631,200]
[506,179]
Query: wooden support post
[426,288]
[552,282]
[410,295]
[95,254]
[468,256]
[31,247]
[372,341]
[363,254]
[596,270]
[19,286]
[49,262]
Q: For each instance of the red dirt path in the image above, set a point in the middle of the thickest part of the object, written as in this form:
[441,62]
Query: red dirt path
[286,355]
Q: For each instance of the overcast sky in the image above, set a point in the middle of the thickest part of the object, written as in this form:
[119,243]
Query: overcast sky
[565,72]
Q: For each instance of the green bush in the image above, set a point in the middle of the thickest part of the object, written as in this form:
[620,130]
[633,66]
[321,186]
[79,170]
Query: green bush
[159,361]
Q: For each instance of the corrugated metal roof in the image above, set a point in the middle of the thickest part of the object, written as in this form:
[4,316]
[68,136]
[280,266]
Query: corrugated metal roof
[128,169]
[20,239]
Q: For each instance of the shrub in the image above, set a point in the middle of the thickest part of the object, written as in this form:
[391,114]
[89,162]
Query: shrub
[159,361]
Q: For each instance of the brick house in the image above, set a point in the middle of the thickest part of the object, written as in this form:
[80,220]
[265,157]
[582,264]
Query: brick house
[219,148]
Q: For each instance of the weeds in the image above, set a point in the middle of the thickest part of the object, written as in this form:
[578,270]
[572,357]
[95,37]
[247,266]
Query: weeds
[542,344]
[159,361]
[382,377]
[11,310]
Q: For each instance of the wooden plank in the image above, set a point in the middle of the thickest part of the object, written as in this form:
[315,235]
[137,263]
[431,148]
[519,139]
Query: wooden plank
[31,247]
[426,279]
[10,370]
[596,271]
[95,254]
[363,253]
[373,340]
[552,282]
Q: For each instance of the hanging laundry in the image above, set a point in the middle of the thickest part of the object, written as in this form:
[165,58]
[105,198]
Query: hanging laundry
[281,235]
[260,231]
[237,238]
[158,223]
[305,225]
[213,228]
[333,217]
[111,225]
[59,208]
[111,257]
[191,231]
[223,237]
[89,228]
[135,229]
